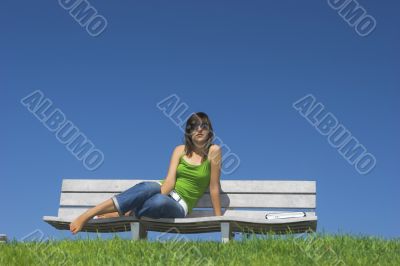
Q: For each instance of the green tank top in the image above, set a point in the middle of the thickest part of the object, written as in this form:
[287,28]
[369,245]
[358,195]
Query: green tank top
[192,181]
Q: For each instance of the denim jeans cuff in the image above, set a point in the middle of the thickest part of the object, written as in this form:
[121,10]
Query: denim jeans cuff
[115,200]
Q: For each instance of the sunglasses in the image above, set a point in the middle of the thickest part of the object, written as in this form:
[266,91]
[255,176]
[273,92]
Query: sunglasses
[196,125]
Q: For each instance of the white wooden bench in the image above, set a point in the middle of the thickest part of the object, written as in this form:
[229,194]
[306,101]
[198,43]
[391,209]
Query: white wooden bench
[244,206]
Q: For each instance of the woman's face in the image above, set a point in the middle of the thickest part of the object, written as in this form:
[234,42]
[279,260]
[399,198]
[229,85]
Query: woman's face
[200,133]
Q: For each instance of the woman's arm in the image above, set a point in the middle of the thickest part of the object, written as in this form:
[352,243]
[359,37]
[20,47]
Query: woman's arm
[169,181]
[215,158]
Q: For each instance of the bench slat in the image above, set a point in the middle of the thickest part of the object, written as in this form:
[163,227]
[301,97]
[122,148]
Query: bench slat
[228,186]
[187,221]
[227,200]
[70,213]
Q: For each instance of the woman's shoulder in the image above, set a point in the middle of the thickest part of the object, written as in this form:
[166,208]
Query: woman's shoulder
[214,149]
[180,149]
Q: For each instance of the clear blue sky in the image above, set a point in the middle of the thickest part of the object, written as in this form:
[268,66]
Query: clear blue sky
[244,63]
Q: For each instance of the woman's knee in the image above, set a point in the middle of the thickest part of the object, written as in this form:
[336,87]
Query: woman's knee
[150,184]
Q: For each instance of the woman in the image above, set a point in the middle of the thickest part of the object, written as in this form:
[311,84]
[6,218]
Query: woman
[193,168]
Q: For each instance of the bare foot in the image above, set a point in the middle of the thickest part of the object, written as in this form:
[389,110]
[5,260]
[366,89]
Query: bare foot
[77,224]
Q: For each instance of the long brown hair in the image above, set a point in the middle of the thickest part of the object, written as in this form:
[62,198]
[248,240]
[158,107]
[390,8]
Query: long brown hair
[195,118]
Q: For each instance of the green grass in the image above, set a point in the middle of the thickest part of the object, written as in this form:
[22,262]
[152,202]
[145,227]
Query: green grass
[313,249]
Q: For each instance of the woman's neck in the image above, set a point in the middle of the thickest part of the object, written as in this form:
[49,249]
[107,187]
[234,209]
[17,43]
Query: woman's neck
[200,152]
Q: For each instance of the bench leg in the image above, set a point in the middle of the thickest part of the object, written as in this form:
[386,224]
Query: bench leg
[226,232]
[138,231]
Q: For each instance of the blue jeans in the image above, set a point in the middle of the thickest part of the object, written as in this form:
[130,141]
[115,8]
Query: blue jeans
[145,199]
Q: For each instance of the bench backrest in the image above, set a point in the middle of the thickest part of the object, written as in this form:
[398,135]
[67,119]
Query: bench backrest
[77,195]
